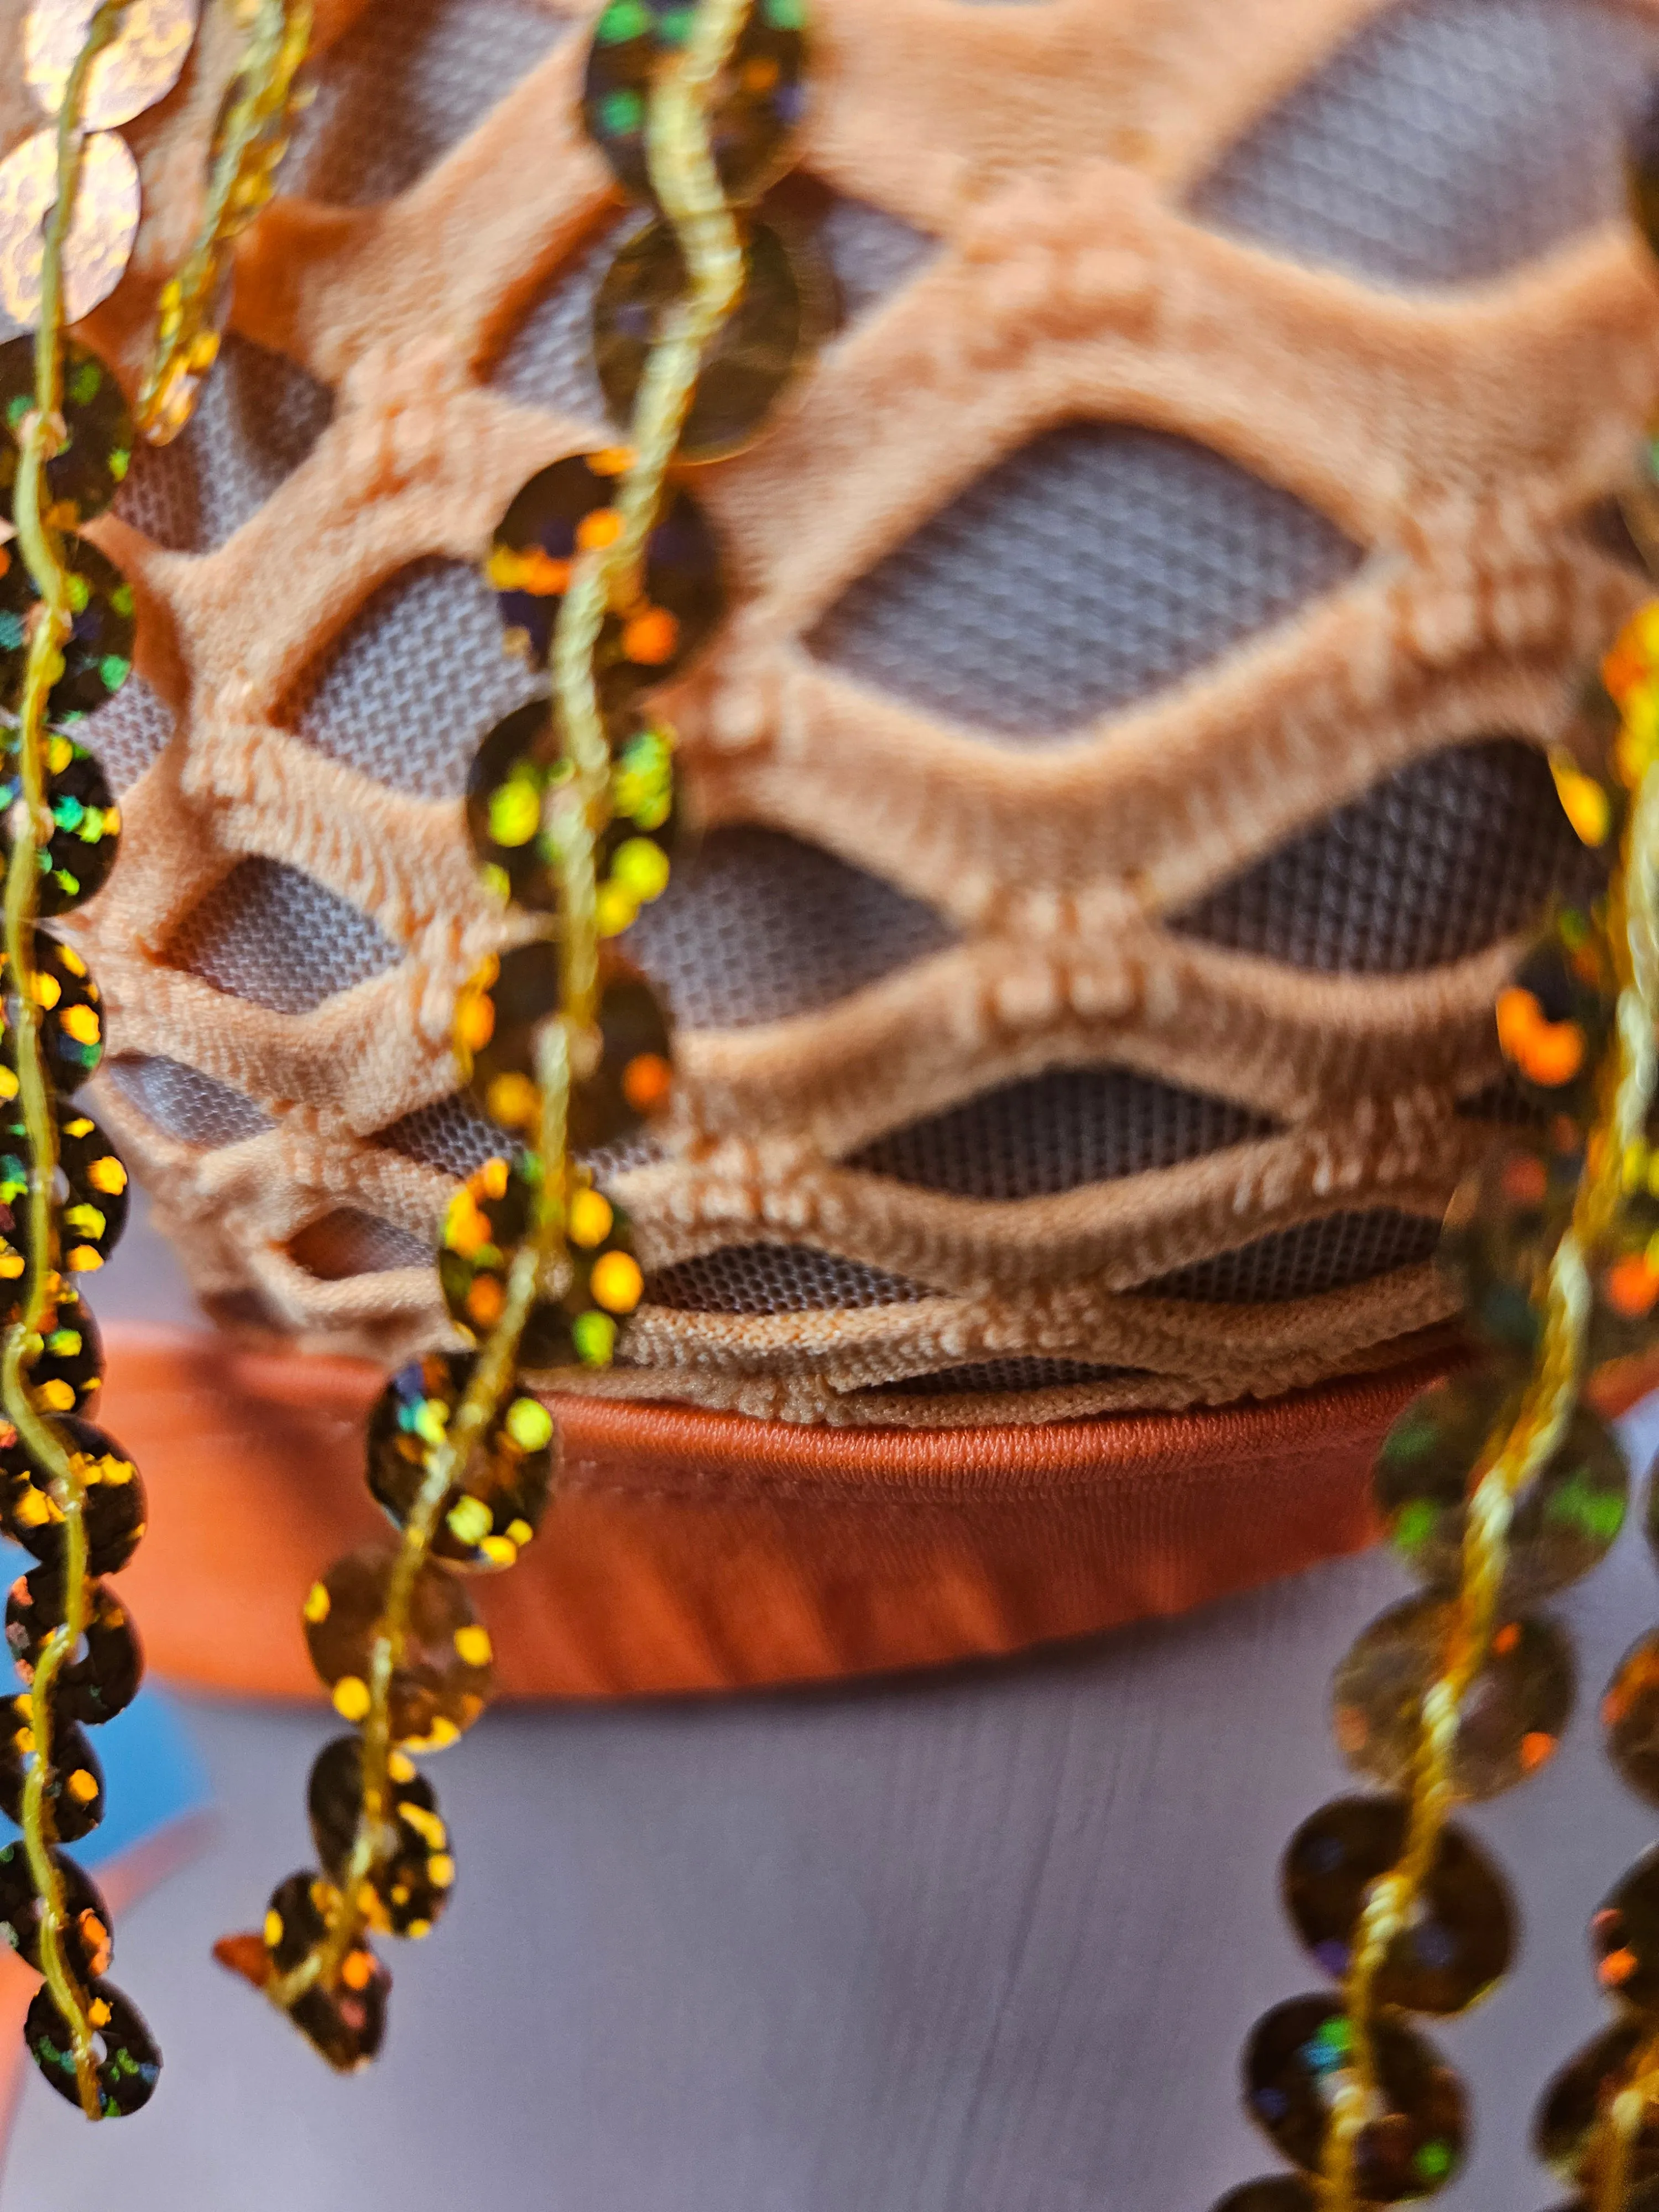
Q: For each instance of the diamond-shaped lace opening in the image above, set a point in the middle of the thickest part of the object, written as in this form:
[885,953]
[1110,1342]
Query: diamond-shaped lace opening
[268,932]
[438,66]
[1097,563]
[1020,1374]
[1449,140]
[413,684]
[1054,1131]
[1332,1255]
[1437,862]
[183,1102]
[258,418]
[547,359]
[757,926]
[771,1278]
[348,1242]
[128,731]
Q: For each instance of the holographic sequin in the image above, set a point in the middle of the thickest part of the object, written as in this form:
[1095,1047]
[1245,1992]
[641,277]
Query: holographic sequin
[131,2065]
[1501,1230]
[445,1677]
[1566,2122]
[758,102]
[86,823]
[67,1370]
[569,507]
[1300,2055]
[1565,1519]
[412,1881]
[783,312]
[139,65]
[103,1680]
[507,787]
[74,1788]
[1555,1019]
[1630,1714]
[87,1939]
[101,230]
[92,1212]
[97,654]
[71,1023]
[488,1219]
[633,1083]
[91,466]
[1459,1939]
[493,1511]
[345,2024]
[1511,1718]
[114,1508]
[497,1016]
[1625,1937]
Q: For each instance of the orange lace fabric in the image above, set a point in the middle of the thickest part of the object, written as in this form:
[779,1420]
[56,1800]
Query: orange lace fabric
[1067,903]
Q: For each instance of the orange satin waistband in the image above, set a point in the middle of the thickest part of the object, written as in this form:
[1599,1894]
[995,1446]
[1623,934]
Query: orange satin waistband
[696,1551]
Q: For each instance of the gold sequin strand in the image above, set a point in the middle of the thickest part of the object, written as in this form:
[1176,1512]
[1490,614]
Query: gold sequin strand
[1498,1488]
[249,142]
[68,1496]
[573,815]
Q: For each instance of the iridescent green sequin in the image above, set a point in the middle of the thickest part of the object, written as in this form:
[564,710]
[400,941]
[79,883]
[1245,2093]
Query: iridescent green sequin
[131,2065]
[1300,2055]
[91,464]
[496,1507]
[97,655]
[759,99]
[1565,1519]
[1460,1938]
[411,1881]
[445,1674]
[781,315]
[86,823]
[570,507]
[1512,1714]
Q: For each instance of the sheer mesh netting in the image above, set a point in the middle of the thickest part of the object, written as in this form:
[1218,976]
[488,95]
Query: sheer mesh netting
[1120,770]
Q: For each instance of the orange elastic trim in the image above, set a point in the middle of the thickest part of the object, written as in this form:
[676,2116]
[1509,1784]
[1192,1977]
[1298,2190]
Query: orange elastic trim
[697,1551]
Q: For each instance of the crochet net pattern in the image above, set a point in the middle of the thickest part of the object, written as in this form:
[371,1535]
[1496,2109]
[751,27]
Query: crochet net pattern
[1120,764]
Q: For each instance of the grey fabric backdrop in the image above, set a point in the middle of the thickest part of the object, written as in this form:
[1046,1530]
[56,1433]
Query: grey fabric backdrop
[983,1944]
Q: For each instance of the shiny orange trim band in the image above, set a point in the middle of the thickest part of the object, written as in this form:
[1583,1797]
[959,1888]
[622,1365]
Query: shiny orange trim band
[694,1550]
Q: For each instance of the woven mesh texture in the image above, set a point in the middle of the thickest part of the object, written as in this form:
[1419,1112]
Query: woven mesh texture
[1119,768]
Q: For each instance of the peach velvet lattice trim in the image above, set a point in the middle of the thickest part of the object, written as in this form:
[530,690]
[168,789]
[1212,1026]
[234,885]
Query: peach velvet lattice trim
[1458,439]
